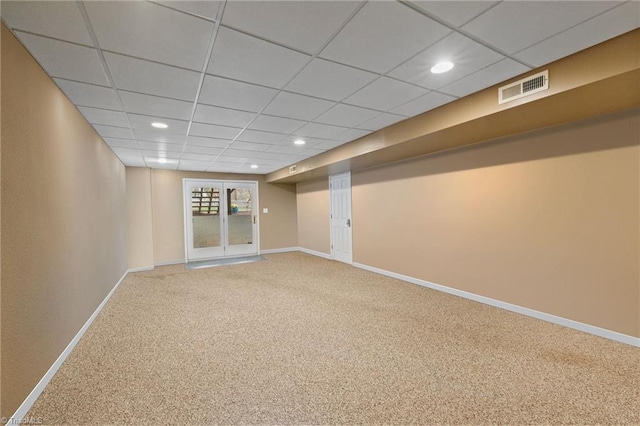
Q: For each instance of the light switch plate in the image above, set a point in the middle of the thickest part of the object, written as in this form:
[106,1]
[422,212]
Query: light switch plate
[265,210]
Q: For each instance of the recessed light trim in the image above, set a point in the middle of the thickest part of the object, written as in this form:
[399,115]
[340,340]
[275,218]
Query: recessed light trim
[441,67]
[159,125]
[299,142]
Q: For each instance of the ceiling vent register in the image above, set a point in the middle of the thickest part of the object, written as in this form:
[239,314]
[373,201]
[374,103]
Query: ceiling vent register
[525,87]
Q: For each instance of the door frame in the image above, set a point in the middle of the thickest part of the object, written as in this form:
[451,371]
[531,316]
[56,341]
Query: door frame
[350,231]
[186,213]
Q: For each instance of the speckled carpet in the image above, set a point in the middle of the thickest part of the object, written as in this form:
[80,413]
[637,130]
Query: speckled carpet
[302,340]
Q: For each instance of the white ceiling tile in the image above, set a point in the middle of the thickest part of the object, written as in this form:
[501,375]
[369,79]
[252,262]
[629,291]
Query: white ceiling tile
[294,150]
[346,115]
[88,94]
[222,116]
[104,116]
[113,132]
[207,9]
[321,131]
[246,58]
[249,146]
[484,78]
[269,123]
[328,80]
[214,131]
[58,19]
[160,146]
[350,135]
[209,150]
[198,157]
[155,154]
[297,106]
[161,162]
[235,160]
[385,94]
[455,13]
[523,23]
[207,142]
[156,106]
[383,120]
[127,153]
[424,103]
[326,145]
[309,142]
[223,165]
[121,143]
[382,35]
[194,166]
[159,136]
[143,122]
[603,27]
[306,26]
[234,94]
[66,60]
[133,162]
[152,78]
[150,31]
[466,55]
[260,137]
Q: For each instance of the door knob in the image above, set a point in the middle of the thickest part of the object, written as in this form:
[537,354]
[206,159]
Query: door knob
[349,223]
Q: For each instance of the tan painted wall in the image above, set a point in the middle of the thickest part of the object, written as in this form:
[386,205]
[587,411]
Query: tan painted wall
[547,220]
[277,228]
[63,233]
[313,215]
[139,218]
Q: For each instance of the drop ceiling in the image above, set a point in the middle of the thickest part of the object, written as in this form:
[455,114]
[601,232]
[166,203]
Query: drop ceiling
[237,82]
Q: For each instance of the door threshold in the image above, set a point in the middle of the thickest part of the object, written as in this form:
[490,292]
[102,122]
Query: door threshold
[211,263]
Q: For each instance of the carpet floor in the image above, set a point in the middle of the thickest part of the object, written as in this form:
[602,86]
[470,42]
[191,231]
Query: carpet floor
[297,339]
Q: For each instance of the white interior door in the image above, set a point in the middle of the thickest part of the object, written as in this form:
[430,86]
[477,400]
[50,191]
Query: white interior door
[220,218]
[341,235]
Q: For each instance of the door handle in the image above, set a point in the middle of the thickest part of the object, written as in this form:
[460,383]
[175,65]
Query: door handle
[254,219]
[348,223]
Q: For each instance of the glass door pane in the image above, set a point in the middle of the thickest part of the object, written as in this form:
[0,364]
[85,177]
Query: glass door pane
[241,218]
[205,207]
[204,213]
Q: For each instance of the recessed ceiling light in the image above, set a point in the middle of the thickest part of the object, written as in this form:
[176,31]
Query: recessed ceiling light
[159,125]
[441,67]
[162,160]
[299,142]
[254,166]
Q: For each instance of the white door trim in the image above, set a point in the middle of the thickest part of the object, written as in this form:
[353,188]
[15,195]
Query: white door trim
[347,255]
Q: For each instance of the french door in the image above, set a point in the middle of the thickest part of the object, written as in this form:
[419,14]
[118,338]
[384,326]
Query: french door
[341,234]
[220,218]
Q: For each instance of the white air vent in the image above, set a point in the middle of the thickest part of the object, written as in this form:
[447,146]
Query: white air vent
[292,169]
[525,87]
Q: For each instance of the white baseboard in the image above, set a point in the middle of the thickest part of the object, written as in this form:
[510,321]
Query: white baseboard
[170,262]
[315,253]
[280,250]
[608,334]
[141,269]
[24,408]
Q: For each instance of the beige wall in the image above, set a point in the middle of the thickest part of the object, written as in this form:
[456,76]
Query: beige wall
[139,218]
[277,228]
[313,215]
[547,220]
[64,231]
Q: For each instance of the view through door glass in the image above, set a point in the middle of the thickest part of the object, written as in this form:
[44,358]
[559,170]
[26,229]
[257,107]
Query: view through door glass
[205,207]
[240,214]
